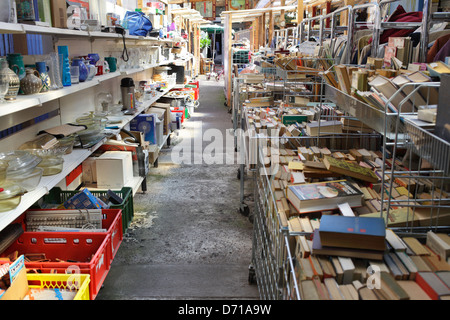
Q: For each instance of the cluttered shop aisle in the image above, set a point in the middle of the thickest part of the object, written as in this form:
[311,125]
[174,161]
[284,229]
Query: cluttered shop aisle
[188,239]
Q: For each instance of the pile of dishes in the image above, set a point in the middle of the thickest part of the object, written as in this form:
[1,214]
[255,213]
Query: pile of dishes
[52,159]
[49,150]
[94,128]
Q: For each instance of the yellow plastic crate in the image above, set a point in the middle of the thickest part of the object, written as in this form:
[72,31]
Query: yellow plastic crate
[78,282]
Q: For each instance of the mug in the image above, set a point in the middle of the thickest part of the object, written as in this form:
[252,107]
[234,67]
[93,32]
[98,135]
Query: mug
[112,62]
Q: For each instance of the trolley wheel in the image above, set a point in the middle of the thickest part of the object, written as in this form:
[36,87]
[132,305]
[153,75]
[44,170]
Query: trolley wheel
[245,210]
[251,275]
[155,164]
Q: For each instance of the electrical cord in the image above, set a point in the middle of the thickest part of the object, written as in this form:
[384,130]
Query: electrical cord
[125,50]
[125,55]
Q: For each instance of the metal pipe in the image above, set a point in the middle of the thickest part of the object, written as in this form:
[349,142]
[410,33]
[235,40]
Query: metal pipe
[426,24]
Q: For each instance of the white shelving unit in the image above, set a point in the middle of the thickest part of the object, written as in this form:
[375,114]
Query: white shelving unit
[21,28]
[25,103]
[71,161]
[28,101]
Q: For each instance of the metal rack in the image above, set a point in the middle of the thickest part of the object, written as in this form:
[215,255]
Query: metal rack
[305,30]
[421,146]
[273,259]
[272,264]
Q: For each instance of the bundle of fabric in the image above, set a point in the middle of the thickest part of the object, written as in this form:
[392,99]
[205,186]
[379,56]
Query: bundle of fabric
[400,15]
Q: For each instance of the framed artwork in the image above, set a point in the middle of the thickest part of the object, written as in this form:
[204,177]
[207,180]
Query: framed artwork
[237,4]
[206,8]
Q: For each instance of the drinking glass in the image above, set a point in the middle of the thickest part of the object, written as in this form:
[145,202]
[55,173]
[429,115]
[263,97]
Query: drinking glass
[4,86]
[75,74]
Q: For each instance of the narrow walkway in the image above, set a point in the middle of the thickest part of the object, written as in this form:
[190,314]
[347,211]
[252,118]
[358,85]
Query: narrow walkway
[188,239]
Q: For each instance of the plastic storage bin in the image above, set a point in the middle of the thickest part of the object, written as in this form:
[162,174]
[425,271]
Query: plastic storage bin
[58,196]
[80,283]
[76,253]
[111,221]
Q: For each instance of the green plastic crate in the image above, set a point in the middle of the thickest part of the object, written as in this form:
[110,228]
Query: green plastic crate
[58,196]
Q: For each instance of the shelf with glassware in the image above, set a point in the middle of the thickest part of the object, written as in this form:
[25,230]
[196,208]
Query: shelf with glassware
[23,102]
[72,161]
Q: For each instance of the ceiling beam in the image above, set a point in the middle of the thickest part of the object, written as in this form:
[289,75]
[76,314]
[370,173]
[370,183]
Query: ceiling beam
[261,10]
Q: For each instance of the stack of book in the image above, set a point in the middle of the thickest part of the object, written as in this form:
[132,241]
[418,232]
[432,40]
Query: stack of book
[376,86]
[406,270]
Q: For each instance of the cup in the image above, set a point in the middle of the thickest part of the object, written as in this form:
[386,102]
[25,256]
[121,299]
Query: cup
[112,62]
[99,70]
[75,74]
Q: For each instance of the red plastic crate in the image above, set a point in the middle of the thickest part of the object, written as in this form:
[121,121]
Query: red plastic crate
[180,111]
[112,222]
[196,91]
[86,253]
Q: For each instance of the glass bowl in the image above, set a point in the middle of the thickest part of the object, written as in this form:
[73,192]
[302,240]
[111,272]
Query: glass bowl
[3,168]
[68,143]
[20,161]
[28,182]
[51,166]
[10,196]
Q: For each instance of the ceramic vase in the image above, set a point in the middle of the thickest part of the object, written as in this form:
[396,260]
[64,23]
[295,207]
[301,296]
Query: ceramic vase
[14,81]
[31,83]
[43,70]
[15,61]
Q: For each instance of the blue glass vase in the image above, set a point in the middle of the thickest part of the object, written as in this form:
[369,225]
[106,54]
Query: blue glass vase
[65,68]
[84,72]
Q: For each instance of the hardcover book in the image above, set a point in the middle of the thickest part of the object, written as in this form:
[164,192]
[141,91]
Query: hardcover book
[353,232]
[322,196]
[350,169]
[318,249]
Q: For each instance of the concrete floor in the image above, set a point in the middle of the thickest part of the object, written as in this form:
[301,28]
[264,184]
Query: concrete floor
[188,239]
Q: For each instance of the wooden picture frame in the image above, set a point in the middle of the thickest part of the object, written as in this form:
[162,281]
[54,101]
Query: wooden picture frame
[196,4]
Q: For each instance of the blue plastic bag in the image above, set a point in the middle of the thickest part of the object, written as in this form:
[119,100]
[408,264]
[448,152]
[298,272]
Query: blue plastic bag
[138,24]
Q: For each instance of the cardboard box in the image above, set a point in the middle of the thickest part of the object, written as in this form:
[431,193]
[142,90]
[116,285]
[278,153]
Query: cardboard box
[153,153]
[155,20]
[166,108]
[114,169]
[59,13]
[89,175]
[19,283]
[139,137]
[145,123]
[116,145]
